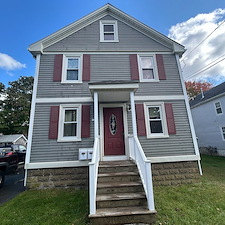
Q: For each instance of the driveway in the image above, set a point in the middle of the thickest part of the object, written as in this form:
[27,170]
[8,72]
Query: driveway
[13,185]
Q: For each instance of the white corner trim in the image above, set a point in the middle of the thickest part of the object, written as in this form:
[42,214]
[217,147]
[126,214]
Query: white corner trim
[31,123]
[64,100]
[194,138]
[46,165]
[159,97]
[181,158]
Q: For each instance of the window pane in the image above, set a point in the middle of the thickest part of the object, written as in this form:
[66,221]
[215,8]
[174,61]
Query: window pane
[217,105]
[146,62]
[156,127]
[154,113]
[219,110]
[70,129]
[108,28]
[223,129]
[109,36]
[148,74]
[70,115]
[72,75]
[72,63]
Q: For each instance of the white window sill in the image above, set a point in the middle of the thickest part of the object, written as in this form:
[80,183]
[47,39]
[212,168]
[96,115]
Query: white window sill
[149,81]
[71,82]
[157,136]
[109,41]
[69,140]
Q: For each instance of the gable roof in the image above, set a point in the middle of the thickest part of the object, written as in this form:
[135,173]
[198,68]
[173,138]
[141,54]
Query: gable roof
[11,138]
[209,95]
[107,9]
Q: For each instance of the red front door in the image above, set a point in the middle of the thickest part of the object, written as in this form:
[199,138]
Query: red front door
[113,131]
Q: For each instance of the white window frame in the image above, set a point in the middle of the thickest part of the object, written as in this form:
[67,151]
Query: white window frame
[222,133]
[155,69]
[218,108]
[163,119]
[63,108]
[65,65]
[109,22]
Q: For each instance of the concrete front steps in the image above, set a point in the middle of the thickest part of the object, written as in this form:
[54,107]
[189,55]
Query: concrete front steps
[120,195]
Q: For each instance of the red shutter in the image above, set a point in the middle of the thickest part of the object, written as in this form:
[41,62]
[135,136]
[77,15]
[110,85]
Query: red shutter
[86,68]
[141,129]
[85,126]
[54,120]
[134,67]
[160,66]
[58,68]
[170,118]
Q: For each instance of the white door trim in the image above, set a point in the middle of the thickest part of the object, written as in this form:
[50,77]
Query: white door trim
[110,158]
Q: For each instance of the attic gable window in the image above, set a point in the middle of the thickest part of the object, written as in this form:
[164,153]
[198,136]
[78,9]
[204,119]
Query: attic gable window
[147,68]
[71,69]
[108,31]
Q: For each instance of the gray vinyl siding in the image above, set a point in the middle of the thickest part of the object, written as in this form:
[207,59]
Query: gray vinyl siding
[88,39]
[179,144]
[49,89]
[170,86]
[110,67]
[49,150]
[107,67]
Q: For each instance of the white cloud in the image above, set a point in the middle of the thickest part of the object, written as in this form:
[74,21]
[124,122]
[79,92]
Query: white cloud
[191,33]
[9,63]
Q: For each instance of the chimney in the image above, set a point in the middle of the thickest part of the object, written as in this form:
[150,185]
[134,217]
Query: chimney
[202,93]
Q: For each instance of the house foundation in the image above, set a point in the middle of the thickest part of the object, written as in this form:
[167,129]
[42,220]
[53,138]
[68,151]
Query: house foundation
[76,177]
[173,173]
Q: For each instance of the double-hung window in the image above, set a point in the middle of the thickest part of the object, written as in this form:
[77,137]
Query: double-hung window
[72,69]
[108,31]
[155,120]
[218,108]
[70,123]
[147,68]
[223,132]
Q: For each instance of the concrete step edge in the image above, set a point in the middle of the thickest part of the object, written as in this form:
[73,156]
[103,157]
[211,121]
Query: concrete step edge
[119,184]
[125,173]
[120,196]
[122,211]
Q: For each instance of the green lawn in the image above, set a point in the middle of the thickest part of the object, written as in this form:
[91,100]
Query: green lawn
[202,203]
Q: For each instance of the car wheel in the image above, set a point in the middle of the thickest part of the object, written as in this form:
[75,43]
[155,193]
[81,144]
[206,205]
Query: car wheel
[2,178]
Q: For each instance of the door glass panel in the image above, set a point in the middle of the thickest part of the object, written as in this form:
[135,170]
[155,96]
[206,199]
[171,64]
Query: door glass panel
[113,124]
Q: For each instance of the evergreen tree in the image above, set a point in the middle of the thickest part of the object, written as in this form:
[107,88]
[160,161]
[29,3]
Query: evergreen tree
[16,106]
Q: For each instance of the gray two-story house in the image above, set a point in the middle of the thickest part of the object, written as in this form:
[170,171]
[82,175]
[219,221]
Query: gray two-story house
[208,115]
[110,109]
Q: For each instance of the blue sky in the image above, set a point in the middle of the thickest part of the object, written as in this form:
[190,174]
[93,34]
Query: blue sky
[26,21]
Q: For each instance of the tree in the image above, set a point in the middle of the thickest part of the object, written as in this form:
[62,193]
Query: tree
[2,88]
[194,88]
[16,106]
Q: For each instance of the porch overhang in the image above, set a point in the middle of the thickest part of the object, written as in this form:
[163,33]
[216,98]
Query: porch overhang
[113,91]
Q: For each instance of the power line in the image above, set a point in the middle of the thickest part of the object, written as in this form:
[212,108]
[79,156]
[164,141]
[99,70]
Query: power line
[206,67]
[203,40]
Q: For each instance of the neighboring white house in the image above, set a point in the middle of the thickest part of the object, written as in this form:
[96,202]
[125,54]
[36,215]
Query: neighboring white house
[6,140]
[208,110]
